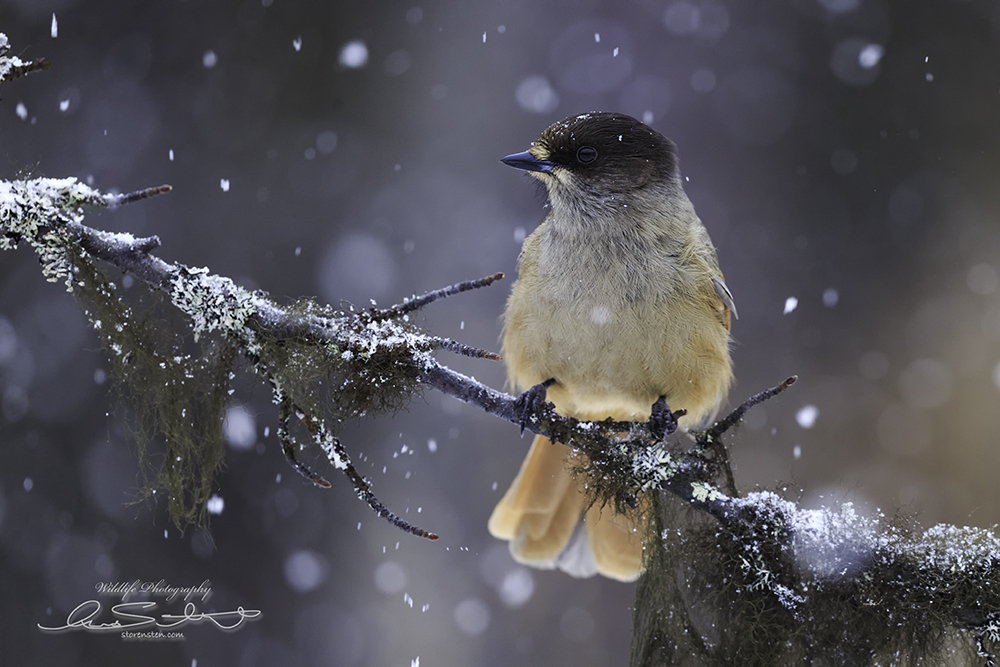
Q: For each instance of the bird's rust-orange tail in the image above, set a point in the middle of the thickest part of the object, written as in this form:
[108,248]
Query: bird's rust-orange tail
[541,510]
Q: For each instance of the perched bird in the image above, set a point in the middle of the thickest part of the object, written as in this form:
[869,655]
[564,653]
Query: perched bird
[619,303]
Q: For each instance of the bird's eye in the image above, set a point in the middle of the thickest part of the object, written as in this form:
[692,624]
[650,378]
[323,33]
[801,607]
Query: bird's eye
[586,155]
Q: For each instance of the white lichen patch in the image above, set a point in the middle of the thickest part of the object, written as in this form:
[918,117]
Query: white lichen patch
[28,206]
[788,598]
[28,211]
[651,466]
[704,493]
[213,302]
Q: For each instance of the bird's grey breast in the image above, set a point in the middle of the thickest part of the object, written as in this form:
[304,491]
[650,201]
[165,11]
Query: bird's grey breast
[611,269]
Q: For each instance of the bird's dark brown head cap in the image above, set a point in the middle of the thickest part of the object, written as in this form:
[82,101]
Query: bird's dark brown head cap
[612,152]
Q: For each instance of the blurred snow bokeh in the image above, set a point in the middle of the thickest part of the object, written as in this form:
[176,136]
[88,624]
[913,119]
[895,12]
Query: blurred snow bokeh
[239,427]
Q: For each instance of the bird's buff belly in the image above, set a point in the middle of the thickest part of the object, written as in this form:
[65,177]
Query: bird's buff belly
[613,364]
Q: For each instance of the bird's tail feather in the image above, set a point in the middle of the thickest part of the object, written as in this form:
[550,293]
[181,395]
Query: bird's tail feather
[540,512]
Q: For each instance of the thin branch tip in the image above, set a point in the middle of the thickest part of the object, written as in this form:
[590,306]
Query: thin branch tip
[736,415]
[131,197]
[466,350]
[419,302]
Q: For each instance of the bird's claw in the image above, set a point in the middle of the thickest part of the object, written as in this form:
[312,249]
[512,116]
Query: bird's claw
[531,402]
[630,500]
[663,421]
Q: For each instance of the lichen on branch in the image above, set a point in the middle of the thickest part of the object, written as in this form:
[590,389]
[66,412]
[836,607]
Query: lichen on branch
[211,302]
[37,212]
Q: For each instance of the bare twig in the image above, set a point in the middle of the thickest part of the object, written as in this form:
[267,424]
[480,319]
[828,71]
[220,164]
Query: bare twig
[465,350]
[730,420]
[416,303]
[138,195]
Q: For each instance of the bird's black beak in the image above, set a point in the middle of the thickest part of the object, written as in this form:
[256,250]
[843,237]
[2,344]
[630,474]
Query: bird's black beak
[527,162]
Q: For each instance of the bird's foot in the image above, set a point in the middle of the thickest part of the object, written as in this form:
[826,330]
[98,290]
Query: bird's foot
[530,403]
[663,421]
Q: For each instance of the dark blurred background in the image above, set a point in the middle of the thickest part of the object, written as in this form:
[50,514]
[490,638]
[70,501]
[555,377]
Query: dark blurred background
[843,153]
